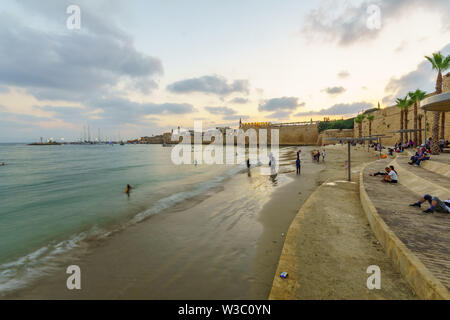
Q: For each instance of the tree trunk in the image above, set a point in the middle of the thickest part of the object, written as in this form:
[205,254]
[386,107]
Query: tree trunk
[415,123]
[406,124]
[439,83]
[443,125]
[435,133]
[420,131]
[401,126]
[436,116]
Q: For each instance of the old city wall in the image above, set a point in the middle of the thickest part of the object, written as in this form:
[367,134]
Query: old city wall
[388,120]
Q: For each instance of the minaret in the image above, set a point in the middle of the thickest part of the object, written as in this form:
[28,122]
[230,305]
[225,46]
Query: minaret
[240,123]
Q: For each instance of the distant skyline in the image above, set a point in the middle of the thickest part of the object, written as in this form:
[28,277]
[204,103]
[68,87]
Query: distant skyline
[142,67]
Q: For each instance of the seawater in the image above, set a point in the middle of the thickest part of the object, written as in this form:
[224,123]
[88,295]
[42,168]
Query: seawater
[53,198]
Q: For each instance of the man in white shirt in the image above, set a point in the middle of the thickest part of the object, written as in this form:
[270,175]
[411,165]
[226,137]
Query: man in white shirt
[391,176]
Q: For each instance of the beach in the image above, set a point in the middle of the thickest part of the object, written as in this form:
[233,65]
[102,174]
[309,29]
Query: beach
[222,244]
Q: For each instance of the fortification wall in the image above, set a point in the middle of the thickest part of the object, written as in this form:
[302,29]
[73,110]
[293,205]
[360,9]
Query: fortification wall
[299,135]
[388,120]
[334,133]
[446,83]
[304,134]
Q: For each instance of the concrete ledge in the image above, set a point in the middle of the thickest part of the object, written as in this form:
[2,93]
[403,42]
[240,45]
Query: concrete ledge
[417,184]
[423,282]
[435,166]
[284,289]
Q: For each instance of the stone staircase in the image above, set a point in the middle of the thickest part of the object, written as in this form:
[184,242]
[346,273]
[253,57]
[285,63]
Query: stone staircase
[420,180]
[426,236]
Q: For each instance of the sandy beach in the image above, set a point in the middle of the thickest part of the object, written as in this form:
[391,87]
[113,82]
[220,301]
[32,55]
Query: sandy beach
[195,252]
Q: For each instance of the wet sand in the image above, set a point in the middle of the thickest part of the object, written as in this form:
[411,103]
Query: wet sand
[223,245]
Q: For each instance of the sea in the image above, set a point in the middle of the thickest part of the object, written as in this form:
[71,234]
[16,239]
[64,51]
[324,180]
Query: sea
[53,198]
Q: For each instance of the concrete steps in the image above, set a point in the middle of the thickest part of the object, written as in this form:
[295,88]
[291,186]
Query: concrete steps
[425,236]
[438,164]
[421,181]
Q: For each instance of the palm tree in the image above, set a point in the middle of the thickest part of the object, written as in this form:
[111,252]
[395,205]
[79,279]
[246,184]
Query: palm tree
[416,96]
[408,103]
[441,64]
[419,118]
[401,103]
[359,120]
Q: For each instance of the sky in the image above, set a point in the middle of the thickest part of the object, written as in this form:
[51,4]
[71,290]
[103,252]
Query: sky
[141,67]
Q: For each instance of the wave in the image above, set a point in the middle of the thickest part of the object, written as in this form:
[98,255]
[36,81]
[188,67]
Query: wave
[22,272]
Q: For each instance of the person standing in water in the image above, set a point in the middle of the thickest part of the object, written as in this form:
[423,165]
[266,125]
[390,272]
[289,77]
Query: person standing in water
[297,163]
[323,155]
[128,189]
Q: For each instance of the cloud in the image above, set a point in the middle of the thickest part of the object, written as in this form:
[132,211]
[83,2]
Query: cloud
[120,109]
[220,110]
[239,100]
[343,74]
[339,109]
[71,65]
[64,113]
[346,23]
[235,117]
[423,77]
[212,84]
[334,90]
[284,103]
[4,89]
[20,117]
[116,111]
[280,115]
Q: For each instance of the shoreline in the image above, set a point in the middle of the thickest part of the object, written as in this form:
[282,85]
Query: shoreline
[180,264]
[161,258]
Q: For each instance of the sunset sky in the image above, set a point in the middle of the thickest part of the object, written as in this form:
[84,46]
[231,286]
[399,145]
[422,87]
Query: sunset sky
[142,67]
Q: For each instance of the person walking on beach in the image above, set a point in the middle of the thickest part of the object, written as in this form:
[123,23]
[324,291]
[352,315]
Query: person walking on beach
[323,155]
[297,164]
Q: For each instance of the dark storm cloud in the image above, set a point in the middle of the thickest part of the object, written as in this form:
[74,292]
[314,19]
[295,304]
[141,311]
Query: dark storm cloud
[278,104]
[212,84]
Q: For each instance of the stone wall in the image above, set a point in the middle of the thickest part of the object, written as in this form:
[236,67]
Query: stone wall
[388,120]
[299,135]
[302,134]
[334,133]
[446,83]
